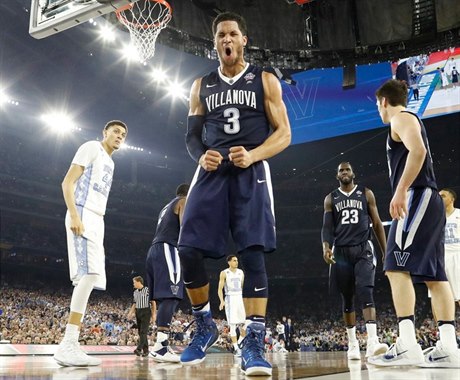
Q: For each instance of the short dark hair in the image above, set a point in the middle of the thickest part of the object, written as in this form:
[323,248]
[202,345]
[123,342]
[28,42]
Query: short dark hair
[230,257]
[182,189]
[230,16]
[116,122]
[139,279]
[452,192]
[395,91]
[345,163]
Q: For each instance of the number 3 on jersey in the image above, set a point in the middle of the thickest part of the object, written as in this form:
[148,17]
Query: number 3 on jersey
[350,217]
[233,125]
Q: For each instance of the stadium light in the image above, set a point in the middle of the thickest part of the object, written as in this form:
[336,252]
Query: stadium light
[59,122]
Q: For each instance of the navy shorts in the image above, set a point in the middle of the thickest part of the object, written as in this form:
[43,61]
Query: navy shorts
[230,199]
[164,277]
[354,267]
[416,243]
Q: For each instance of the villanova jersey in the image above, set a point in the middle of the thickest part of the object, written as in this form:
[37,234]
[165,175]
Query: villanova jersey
[93,187]
[235,113]
[168,225]
[351,219]
[233,282]
[397,156]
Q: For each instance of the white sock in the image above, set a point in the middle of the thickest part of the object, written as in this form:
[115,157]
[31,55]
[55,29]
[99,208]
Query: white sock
[235,346]
[407,332]
[161,337]
[371,329]
[351,332]
[447,337]
[71,333]
[206,307]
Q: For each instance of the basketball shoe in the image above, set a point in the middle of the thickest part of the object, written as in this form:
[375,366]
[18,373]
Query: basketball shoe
[438,357]
[206,335]
[374,347]
[399,354]
[253,362]
[353,350]
[164,354]
[69,354]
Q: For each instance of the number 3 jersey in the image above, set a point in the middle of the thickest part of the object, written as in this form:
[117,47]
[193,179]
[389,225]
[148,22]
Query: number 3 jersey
[235,113]
[351,219]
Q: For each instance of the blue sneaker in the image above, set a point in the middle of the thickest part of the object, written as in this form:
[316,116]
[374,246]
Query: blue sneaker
[205,336]
[253,361]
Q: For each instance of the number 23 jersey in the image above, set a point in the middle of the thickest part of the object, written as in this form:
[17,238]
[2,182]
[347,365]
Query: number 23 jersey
[235,113]
[351,218]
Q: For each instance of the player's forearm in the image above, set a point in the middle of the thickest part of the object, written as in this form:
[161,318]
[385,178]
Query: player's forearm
[69,198]
[414,163]
[379,232]
[274,144]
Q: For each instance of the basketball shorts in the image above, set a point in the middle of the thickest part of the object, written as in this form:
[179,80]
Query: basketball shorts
[86,252]
[354,266]
[416,243]
[234,309]
[229,199]
[164,277]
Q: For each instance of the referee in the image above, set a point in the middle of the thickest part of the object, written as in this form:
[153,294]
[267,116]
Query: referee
[141,308]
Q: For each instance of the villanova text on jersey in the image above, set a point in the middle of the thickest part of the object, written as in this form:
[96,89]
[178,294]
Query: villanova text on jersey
[234,110]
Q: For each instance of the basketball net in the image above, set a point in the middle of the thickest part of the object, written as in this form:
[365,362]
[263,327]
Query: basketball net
[145,19]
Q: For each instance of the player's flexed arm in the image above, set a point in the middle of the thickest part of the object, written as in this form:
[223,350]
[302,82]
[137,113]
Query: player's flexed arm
[207,158]
[327,232]
[277,116]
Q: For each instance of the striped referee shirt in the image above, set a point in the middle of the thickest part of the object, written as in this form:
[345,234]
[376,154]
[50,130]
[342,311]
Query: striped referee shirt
[141,298]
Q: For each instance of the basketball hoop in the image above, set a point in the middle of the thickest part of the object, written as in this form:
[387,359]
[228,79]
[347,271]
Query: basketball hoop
[145,19]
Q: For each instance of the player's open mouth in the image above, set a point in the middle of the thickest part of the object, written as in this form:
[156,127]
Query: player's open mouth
[228,51]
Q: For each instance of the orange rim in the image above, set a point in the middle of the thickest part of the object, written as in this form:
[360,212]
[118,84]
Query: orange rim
[124,20]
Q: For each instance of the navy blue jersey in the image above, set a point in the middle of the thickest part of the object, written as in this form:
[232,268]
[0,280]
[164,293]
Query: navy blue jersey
[351,218]
[168,225]
[397,156]
[235,113]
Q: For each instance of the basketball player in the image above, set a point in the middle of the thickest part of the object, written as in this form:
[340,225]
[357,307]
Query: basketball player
[346,233]
[86,188]
[164,275]
[415,249]
[232,280]
[237,119]
[452,241]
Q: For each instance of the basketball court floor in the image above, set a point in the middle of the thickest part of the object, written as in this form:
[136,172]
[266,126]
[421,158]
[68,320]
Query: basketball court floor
[220,366]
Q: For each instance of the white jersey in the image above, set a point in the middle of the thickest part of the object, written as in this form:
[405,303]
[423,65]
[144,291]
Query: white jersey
[93,187]
[233,282]
[452,232]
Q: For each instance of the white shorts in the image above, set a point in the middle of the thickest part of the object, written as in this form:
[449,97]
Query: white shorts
[234,309]
[86,253]
[452,267]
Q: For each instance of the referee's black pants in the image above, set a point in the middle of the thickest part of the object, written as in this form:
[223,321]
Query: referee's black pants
[143,322]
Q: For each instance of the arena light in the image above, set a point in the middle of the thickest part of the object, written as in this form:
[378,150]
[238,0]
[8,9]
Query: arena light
[59,122]
[159,75]
[176,90]
[107,33]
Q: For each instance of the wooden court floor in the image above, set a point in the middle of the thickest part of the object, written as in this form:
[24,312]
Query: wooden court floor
[217,366]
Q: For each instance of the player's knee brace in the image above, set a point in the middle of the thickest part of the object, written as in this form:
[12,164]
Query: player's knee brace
[165,311]
[255,275]
[82,292]
[348,304]
[365,296]
[193,269]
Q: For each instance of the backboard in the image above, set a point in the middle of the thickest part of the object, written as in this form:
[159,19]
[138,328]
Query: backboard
[49,17]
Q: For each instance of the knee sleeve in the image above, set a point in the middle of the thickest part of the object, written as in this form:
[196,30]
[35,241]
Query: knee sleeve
[193,269]
[348,304]
[81,293]
[165,311]
[232,329]
[255,275]
[365,296]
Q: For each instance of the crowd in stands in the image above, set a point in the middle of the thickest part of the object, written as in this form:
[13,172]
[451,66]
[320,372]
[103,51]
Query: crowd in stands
[39,317]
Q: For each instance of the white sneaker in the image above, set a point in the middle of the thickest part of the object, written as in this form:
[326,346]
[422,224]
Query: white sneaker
[69,354]
[398,354]
[374,347]
[353,351]
[438,357]
[164,355]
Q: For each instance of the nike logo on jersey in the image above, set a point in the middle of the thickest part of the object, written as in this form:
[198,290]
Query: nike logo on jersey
[211,85]
[259,289]
[261,180]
